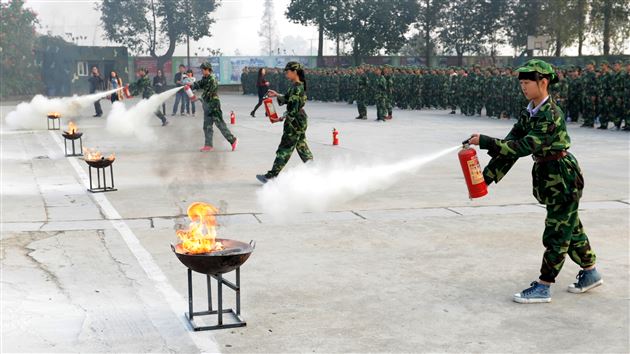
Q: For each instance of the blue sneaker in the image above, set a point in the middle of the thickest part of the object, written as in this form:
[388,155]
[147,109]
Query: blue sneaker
[587,280]
[537,293]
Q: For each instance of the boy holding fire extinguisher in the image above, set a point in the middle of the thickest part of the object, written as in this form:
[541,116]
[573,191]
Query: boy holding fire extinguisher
[557,181]
[294,130]
[211,104]
[144,86]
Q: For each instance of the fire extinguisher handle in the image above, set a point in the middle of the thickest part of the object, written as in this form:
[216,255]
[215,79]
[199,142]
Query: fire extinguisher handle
[465,142]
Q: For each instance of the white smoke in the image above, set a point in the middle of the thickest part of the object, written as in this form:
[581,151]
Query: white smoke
[316,187]
[33,115]
[135,120]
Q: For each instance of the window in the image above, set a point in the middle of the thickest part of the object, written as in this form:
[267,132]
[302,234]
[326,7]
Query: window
[82,68]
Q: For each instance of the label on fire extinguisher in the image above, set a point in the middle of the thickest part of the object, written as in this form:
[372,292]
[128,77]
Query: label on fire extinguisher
[476,175]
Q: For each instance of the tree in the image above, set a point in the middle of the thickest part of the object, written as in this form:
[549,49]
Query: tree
[149,26]
[469,24]
[580,20]
[17,49]
[610,21]
[268,29]
[311,12]
[523,19]
[429,18]
[563,33]
[375,25]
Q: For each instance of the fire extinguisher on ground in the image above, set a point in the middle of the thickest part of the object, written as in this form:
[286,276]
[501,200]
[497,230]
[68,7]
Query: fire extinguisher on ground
[270,109]
[190,93]
[477,187]
[232,118]
[335,135]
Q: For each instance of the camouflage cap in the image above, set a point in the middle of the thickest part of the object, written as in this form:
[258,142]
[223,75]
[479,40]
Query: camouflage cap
[293,66]
[591,62]
[541,67]
[206,65]
[604,62]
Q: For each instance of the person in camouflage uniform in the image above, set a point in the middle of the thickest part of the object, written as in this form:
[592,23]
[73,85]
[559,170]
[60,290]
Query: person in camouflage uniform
[389,80]
[361,94]
[617,87]
[605,93]
[212,114]
[381,95]
[560,91]
[589,95]
[143,86]
[557,181]
[574,98]
[295,122]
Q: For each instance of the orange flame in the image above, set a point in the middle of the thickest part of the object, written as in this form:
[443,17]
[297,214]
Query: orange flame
[95,155]
[72,128]
[201,233]
[54,114]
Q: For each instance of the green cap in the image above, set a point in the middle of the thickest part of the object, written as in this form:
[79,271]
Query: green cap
[541,67]
[206,65]
[293,66]
[604,62]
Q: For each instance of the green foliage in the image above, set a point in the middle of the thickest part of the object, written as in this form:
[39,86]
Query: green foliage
[610,23]
[149,26]
[20,74]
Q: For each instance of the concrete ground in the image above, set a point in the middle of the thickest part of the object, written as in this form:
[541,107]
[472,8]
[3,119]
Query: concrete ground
[414,268]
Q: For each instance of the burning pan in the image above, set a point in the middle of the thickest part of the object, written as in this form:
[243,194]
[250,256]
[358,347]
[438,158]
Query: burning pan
[99,163]
[217,262]
[70,136]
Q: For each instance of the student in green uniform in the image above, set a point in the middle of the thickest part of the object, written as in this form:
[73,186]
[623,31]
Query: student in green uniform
[557,181]
[295,122]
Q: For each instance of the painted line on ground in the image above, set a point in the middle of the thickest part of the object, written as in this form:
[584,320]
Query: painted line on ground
[205,343]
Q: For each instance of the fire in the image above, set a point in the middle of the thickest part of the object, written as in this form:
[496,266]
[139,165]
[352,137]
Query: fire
[54,114]
[95,155]
[72,128]
[201,233]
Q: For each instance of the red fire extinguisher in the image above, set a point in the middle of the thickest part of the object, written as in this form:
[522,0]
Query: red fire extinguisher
[271,110]
[126,91]
[335,137]
[472,171]
[190,93]
[232,118]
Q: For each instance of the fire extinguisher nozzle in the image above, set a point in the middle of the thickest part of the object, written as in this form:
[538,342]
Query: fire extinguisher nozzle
[466,142]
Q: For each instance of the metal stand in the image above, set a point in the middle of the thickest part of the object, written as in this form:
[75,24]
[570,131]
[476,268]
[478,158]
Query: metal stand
[65,145]
[236,314]
[53,120]
[101,188]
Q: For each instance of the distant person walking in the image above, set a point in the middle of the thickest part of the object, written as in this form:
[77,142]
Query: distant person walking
[115,82]
[263,86]
[159,85]
[96,84]
[180,96]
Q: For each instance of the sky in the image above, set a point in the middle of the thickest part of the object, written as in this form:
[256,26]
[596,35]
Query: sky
[234,33]
[236,28]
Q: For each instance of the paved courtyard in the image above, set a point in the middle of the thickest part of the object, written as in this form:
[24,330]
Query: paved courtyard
[417,267]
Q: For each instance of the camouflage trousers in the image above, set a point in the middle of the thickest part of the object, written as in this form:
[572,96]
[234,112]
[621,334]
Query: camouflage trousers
[212,115]
[361,105]
[381,107]
[293,138]
[564,234]
[390,105]
[607,110]
[589,110]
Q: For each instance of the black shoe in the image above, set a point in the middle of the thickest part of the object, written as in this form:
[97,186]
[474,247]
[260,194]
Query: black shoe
[164,122]
[98,115]
[626,128]
[253,114]
[452,112]
[263,178]
[360,117]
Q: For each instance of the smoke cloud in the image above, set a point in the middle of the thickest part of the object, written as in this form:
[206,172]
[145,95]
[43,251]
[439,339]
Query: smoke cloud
[134,121]
[316,187]
[33,115]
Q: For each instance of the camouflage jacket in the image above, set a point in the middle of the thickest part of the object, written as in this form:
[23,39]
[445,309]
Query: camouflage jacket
[209,86]
[295,99]
[381,86]
[544,134]
[589,84]
[142,86]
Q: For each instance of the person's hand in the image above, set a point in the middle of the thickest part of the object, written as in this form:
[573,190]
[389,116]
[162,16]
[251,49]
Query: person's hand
[272,93]
[474,139]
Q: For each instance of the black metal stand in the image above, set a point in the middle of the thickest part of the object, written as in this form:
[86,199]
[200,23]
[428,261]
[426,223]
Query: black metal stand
[102,188]
[65,145]
[53,120]
[236,314]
